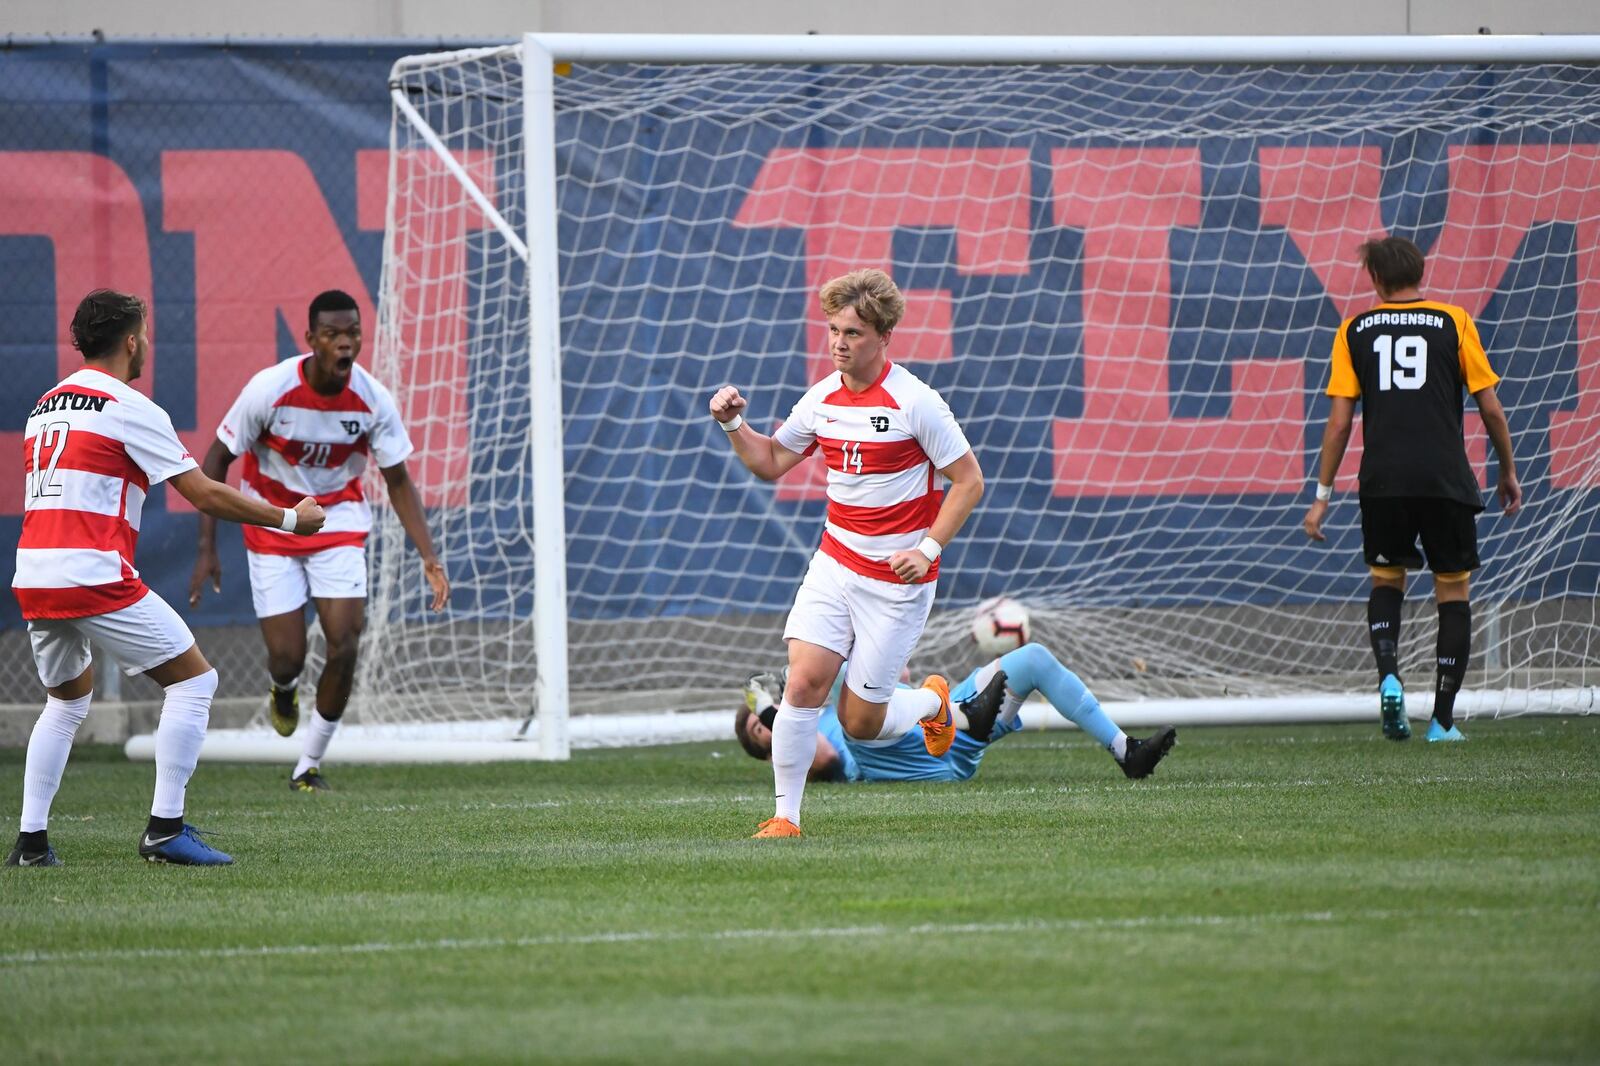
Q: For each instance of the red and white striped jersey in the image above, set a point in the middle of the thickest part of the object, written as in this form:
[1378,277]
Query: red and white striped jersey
[296,442]
[92,449]
[884,447]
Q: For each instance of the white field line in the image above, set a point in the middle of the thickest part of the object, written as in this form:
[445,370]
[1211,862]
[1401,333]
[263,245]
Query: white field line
[844,932]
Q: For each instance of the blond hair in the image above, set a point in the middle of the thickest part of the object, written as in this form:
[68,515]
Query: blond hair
[872,293]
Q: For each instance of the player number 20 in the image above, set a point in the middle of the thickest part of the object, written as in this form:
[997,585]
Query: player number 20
[314,454]
[850,457]
[1402,362]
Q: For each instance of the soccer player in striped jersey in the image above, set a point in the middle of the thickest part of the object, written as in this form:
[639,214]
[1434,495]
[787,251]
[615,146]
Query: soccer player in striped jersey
[1408,362]
[887,438]
[91,450]
[987,702]
[306,426]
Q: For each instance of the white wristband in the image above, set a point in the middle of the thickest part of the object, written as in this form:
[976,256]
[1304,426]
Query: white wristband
[1324,493]
[732,426]
[290,520]
[931,548]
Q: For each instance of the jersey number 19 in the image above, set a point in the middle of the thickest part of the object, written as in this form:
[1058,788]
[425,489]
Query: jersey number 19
[1402,362]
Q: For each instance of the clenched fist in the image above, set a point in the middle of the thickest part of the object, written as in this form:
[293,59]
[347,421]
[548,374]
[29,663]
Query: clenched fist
[727,404]
[309,517]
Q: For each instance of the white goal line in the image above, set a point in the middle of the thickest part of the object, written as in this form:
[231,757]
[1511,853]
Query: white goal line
[1154,922]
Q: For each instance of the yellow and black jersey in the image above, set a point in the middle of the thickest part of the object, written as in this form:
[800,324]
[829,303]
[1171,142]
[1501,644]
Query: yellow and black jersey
[1407,362]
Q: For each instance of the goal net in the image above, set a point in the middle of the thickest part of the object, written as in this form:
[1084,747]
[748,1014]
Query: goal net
[1124,279]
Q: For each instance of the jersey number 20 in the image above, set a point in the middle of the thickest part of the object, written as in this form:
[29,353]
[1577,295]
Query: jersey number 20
[1402,362]
[312,454]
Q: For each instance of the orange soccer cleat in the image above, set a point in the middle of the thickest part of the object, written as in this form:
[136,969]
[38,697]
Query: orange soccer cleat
[776,828]
[940,730]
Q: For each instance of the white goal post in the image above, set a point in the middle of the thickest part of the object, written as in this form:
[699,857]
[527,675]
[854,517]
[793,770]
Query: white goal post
[1138,245]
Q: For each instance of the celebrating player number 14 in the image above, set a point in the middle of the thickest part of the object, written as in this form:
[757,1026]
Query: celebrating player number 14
[868,590]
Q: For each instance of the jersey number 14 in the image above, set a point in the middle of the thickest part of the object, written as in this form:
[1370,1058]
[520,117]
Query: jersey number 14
[1402,362]
[850,455]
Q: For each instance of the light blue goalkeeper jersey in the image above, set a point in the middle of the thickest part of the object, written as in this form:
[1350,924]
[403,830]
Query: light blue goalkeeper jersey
[907,759]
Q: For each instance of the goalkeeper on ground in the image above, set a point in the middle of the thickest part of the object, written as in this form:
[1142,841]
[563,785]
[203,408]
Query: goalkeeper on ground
[986,703]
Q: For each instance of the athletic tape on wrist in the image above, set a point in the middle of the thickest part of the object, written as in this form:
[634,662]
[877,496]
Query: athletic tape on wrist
[732,426]
[290,520]
[931,548]
[1324,493]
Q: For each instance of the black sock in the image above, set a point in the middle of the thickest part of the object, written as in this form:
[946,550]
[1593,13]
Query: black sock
[163,827]
[1455,646]
[33,843]
[1383,626]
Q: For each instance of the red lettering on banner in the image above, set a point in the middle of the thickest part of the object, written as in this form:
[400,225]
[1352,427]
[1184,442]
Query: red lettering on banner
[1498,193]
[90,212]
[439,417]
[1127,201]
[1327,198]
[850,202]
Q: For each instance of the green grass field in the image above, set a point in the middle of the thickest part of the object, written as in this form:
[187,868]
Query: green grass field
[1272,895]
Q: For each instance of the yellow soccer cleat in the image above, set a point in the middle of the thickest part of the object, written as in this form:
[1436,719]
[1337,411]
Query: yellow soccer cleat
[283,707]
[940,730]
[776,828]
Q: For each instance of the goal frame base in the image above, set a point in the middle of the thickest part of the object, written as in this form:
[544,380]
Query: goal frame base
[499,741]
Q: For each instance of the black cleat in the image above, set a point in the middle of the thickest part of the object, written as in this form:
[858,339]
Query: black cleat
[310,781]
[982,709]
[1142,755]
[283,707]
[47,857]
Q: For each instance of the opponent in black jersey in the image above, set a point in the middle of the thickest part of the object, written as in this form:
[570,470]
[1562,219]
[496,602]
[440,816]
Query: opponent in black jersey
[1408,361]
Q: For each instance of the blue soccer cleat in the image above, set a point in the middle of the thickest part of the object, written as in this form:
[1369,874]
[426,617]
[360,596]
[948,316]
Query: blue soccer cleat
[1392,706]
[183,848]
[1437,733]
[21,857]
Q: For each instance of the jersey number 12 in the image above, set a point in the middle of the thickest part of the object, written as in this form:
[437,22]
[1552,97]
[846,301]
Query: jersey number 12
[1402,362]
[44,482]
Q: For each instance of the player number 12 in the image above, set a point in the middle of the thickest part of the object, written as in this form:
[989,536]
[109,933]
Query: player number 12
[43,480]
[1402,362]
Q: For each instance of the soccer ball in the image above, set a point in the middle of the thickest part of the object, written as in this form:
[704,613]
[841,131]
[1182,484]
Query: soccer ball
[1000,625]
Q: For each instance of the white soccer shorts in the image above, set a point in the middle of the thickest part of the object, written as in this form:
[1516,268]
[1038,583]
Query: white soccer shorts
[872,623]
[281,583]
[140,637]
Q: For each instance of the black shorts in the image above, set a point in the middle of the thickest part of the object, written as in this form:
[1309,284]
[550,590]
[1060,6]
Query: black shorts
[1390,526]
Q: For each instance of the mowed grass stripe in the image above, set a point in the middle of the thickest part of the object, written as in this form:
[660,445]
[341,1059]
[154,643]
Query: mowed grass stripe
[846,932]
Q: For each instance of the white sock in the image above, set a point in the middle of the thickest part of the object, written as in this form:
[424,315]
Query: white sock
[48,748]
[1010,707]
[794,748]
[907,707]
[319,731]
[1119,746]
[179,734]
